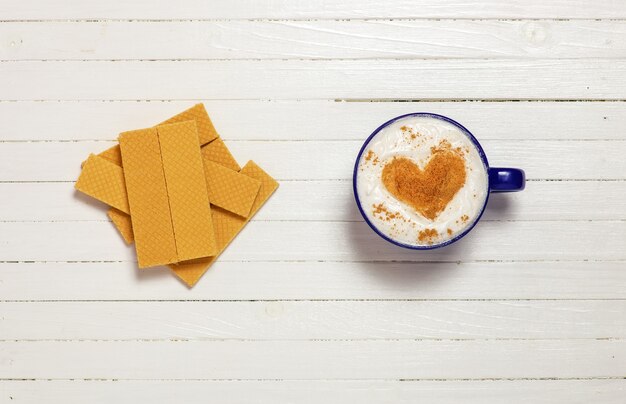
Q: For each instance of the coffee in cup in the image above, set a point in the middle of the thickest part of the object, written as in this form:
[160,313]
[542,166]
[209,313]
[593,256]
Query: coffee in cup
[421,181]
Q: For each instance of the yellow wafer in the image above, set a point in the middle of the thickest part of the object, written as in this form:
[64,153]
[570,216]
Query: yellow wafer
[113,154]
[214,150]
[234,196]
[204,126]
[227,226]
[168,195]
[186,190]
[229,189]
[147,196]
[123,224]
[218,152]
[103,180]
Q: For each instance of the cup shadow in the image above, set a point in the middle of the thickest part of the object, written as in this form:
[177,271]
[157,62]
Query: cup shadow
[400,267]
[499,206]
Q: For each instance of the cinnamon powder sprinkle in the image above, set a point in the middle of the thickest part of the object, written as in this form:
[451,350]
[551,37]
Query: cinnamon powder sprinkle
[464,218]
[383,213]
[449,232]
[412,134]
[371,156]
[427,235]
[429,190]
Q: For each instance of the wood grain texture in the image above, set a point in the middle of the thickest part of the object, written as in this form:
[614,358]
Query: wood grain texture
[394,359]
[332,160]
[599,79]
[609,391]
[345,39]
[329,200]
[308,305]
[304,9]
[275,320]
[330,241]
[312,120]
[318,280]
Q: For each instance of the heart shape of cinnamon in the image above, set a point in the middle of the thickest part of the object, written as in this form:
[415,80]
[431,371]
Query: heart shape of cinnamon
[429,190]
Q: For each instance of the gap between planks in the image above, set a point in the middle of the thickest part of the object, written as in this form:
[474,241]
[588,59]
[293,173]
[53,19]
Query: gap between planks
[261,140]
[331,261]
[477,379]
[373,19]
[209,339]
[282,9]
[398,359]
[343,180]
[304,100]
[327,221]
[291,79]
[543,299]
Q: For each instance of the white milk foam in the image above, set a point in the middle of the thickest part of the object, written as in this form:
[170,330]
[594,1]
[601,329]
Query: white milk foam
[413,137]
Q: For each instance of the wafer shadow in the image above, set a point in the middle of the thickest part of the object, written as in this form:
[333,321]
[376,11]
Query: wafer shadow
[152,274]
[145,276]
[87,200]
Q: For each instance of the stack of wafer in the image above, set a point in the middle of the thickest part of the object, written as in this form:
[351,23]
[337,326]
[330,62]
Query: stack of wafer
[176,192]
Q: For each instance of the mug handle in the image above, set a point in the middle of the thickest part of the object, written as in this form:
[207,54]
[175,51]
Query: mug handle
[506,179]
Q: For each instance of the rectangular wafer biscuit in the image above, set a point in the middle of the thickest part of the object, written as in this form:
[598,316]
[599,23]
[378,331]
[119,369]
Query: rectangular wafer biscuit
[214,150]
[230,190]
[227,189]
[197,113]
[147,196]
[122,223]
[227,226]
[204,126]
[171,203]
[113,154]
[103,180]
[218,152]
[187,190]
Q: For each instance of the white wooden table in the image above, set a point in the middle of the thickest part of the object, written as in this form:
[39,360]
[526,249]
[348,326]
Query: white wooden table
[308,305]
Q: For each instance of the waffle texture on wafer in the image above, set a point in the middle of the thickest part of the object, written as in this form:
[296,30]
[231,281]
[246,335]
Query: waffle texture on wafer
[176,192]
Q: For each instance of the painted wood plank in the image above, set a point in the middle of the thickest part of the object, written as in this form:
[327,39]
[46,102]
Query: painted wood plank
[329,241]
[608,391]
[330,200]
[285,9]
[392,323]
[344,39]
[314,359]
[312,320]
[315,79]
[312,120]
[318,280]
[331,160]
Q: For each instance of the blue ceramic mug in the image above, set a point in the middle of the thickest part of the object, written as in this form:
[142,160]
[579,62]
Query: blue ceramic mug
[500,180]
